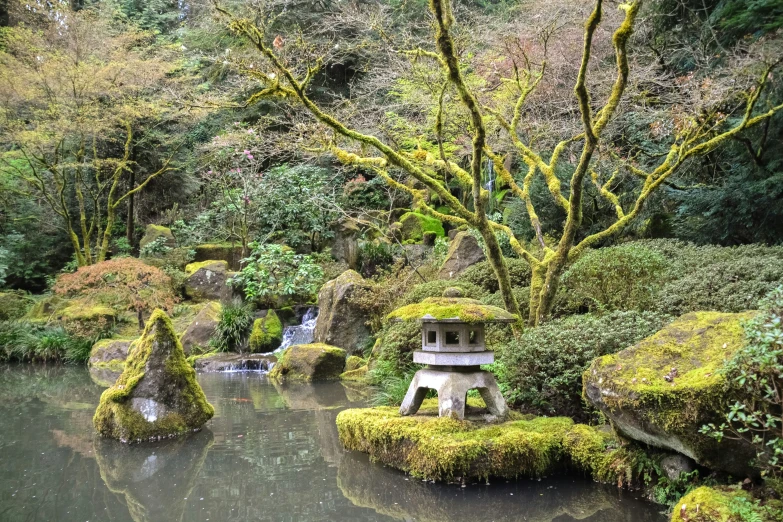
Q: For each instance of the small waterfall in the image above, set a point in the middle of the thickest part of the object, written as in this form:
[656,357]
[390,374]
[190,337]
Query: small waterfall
[302,334]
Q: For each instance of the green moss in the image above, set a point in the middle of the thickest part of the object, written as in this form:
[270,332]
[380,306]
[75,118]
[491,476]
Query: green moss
[309,362]
[696,344]
[440,308]
[707,504]
[46,308]
[267,333]
[189,410]
[357,374]
[80,311]
[354,362]
[153,232]
[434,448]
[414,225]
[211,264]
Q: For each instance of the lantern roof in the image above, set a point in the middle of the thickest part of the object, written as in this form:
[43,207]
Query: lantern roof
[452,310]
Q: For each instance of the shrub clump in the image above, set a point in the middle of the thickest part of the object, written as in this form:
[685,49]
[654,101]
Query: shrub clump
[436,288]
[23,341]
[542,369]
[482,275]
[625,277]
[236,319]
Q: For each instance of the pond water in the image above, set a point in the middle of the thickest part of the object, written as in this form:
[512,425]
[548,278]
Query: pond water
[270,453]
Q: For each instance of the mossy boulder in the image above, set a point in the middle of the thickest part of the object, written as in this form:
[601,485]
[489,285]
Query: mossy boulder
[267,333]
[110,353]
[157,395]
[457,308]
[309,362]
[14,304]
[228,252]
[464,252]
[440,448]
[341,321]
[198,333]
[663,389]
[208,281]
[354,362]
[356,369]
[153,232]
[414,225]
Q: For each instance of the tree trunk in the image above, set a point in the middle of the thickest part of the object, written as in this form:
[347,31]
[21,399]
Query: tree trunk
[498,262]
[130,222]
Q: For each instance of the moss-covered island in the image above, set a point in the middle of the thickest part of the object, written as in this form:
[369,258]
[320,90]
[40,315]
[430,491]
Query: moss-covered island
[446,449]
[157,395]
[725,504]
[309,362]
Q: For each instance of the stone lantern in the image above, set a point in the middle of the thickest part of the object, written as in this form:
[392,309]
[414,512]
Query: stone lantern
[452,348]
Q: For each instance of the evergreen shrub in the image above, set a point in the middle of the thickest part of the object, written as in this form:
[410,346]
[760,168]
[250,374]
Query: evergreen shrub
[541,369]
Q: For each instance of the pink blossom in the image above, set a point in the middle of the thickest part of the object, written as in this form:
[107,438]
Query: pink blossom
[249,156]
[246,151]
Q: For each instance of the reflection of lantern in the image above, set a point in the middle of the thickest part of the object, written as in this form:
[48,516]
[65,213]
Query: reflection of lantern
[452,347]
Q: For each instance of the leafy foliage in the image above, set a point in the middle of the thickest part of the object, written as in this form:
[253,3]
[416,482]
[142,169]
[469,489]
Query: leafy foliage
[274,274]
[125,284]
[31,342]
[625,277]
[542,368]
[757,372]
[236,321]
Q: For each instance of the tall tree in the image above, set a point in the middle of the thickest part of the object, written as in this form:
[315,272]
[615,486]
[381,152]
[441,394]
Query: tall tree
[76,96]
[694,135]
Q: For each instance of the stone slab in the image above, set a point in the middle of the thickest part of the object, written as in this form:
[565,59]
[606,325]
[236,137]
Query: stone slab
[453,359]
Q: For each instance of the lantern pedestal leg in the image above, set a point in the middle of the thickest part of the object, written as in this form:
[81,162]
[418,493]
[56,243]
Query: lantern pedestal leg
[452,388]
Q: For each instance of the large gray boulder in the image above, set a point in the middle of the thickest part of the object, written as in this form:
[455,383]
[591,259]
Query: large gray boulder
[157,395]
[207,281]
[342,322]
[464,251]
[200,331]
[665,388]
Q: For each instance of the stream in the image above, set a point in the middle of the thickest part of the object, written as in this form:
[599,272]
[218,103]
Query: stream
[270,453]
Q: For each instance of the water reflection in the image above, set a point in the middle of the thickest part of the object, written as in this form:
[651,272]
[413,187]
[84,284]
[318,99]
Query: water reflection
[140,473]
[270,453]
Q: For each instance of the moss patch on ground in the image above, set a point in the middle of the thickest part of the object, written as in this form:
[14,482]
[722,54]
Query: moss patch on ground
[725,504]
[434,448]
[309,362]
[459,308]
[267,333]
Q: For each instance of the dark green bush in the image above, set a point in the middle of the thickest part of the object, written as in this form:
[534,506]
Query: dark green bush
[391,366]
[436,288]
[625,277]
[31,342]
[523,299]
[542,369]
[482,275]
[726,279]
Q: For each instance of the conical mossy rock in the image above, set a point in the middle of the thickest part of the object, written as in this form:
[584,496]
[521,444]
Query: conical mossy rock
[157,394]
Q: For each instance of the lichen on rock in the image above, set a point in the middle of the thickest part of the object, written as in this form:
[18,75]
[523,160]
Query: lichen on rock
[309,362]
[663,389]
[157,394]
[267,333]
